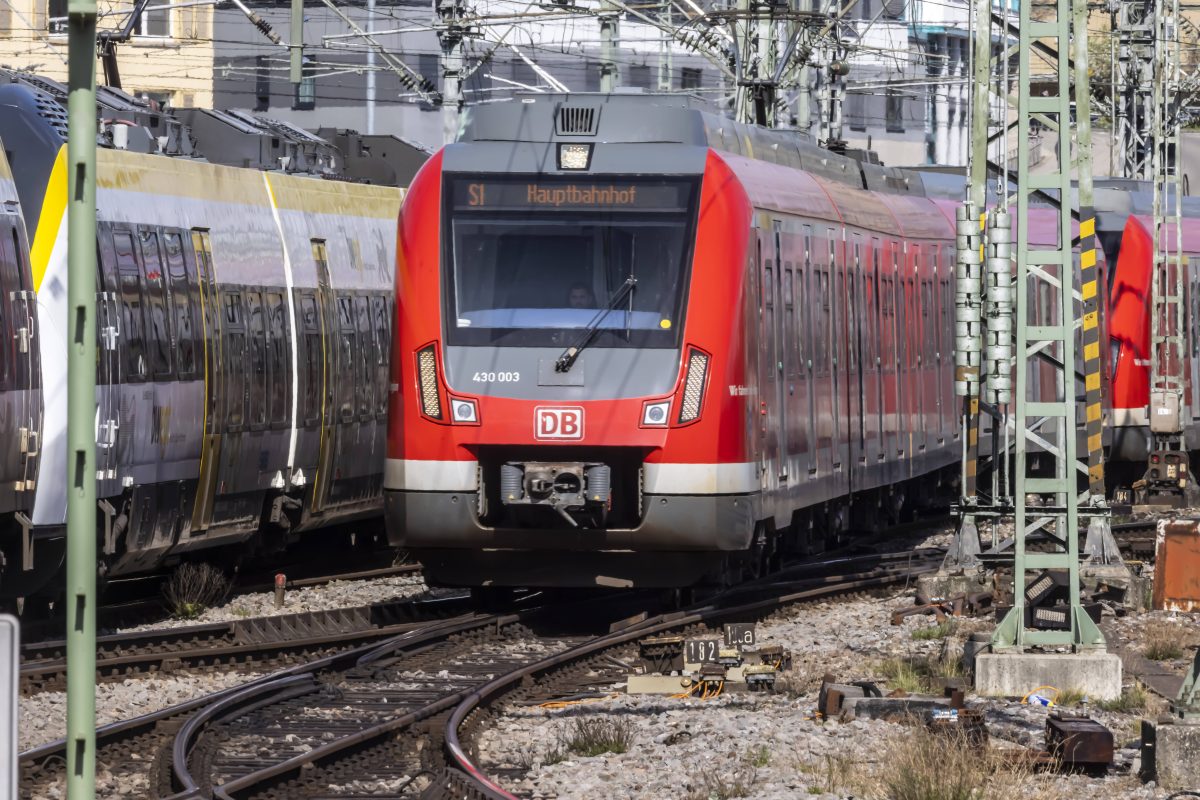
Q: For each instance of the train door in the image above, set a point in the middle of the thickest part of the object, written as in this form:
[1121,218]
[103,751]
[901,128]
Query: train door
[857,310]
[808,311]
[212,425]
[873,391]
[12,391]
[26,368]
[825,398]
[325,301]
[768,374]
[836,341]
[108,365]
[782,358]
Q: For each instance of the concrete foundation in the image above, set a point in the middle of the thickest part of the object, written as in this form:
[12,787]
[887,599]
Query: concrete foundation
[1098,675]
[944,585]
[1171,754]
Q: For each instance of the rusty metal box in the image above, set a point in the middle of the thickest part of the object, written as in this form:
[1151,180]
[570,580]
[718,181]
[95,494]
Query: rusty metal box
[1177,565]
[1079,742]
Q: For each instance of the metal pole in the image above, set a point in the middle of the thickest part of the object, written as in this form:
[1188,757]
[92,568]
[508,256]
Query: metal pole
[664,53]
[370,70]
[81,401]
[450,36]
[609,72]
[296,44]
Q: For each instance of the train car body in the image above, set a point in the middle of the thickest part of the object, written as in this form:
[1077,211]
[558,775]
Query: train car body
[633,339]
[1129,332]
[244,326]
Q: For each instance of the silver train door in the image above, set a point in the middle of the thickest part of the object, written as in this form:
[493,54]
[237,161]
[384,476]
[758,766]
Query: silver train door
[326,309]
[210,442]
[28,369]
[21,420]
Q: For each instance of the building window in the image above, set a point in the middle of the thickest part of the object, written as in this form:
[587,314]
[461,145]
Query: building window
[262,84]
[306,90]
[56,16]
[639,76]
[689,78]
[895,110]
[155,23]
[856,111]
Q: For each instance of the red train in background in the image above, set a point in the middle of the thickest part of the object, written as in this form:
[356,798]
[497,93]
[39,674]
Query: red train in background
[641,345]
[1129,334]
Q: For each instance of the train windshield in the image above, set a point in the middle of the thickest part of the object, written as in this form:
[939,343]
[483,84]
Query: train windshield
[534,261]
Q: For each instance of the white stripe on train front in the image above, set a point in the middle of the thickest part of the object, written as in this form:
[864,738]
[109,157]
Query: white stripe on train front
[691,479]
[412,475]
[430,476]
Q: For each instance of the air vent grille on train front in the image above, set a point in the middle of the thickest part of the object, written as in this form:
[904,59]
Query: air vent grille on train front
[577,120]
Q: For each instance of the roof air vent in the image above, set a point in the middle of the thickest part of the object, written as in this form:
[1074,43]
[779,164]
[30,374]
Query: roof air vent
[577,121]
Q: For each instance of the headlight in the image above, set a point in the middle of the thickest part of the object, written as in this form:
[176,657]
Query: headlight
[656,414]
[431,393]
[693,386]
[464,410]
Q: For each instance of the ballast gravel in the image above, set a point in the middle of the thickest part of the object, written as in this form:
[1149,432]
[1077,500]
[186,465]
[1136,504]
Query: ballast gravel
[324,597]
[774,746]
[44,716]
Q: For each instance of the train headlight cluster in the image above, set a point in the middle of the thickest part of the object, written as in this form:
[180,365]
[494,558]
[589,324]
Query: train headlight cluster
[431,393]
[464,410]
[693,386]
[656,413]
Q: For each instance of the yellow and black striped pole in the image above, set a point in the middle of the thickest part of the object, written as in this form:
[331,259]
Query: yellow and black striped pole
[1090,291]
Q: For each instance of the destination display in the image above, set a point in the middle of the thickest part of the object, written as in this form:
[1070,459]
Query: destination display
[512,195]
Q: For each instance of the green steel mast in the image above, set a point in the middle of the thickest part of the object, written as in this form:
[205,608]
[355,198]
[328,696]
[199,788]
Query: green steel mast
[81,401]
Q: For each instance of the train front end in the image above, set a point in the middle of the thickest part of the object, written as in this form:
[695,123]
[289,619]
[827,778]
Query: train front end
[568,406]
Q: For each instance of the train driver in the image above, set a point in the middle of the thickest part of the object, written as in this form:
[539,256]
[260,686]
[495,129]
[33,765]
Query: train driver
[580,296]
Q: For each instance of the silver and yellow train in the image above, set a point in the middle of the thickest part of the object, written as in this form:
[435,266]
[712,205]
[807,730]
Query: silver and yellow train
[244,329]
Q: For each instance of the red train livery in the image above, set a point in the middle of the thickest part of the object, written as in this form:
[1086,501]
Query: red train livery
[638,344]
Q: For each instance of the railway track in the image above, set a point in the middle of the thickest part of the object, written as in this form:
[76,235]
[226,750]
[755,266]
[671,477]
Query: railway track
[146,606]
[260,642]
[388,720]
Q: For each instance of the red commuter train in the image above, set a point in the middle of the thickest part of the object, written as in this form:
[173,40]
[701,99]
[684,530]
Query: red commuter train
[638,344]
[1129,334]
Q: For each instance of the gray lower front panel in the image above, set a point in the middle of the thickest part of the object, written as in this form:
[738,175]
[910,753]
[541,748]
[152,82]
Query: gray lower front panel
[421,520]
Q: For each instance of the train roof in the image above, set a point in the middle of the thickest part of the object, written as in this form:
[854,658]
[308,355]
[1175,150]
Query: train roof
[231,138]
[524,130]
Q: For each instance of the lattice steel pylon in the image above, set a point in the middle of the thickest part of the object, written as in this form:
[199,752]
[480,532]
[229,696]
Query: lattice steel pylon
[1049,303]
[1168,475]
[1133,25]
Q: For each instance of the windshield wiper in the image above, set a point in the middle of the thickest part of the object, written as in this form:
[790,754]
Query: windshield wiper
[567,359]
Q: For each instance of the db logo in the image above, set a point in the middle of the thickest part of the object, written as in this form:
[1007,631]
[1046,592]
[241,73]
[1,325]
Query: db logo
[558,423]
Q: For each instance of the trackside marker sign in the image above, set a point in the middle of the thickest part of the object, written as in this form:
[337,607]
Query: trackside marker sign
[557,423]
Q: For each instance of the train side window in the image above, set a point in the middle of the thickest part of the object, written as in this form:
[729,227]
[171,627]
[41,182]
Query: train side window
[347,357]
[131,305]
[366,357]
[235,359]
[314,364]
[157,328]
[181,304]
[277,337]
[383,348]
[258,386]
[926,318]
